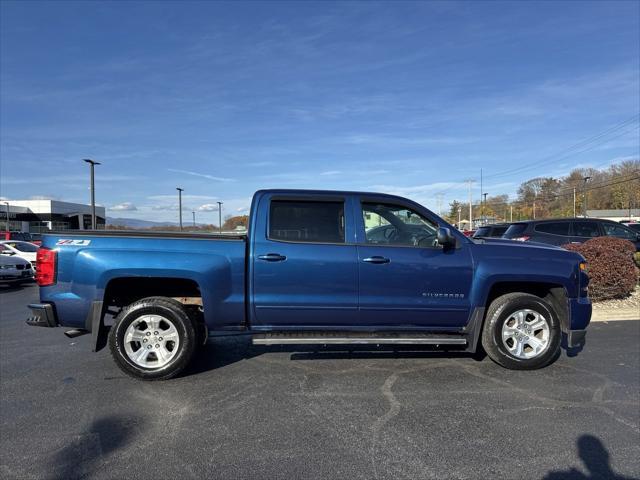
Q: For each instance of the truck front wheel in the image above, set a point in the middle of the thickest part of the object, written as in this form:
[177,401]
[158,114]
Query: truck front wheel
[153,339]
[521,332]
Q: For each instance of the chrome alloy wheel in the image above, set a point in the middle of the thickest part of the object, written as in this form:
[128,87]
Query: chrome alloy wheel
[151,341]
[526,334]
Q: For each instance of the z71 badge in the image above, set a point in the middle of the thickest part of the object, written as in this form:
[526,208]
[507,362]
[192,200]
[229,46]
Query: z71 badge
[74,243]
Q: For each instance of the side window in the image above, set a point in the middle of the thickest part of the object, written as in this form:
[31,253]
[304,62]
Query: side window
[554,228]
[300,221]
[386,224]
[585,229]
[618,231]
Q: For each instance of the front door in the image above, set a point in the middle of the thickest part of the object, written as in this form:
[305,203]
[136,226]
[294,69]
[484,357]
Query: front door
[407,280]
[305,275]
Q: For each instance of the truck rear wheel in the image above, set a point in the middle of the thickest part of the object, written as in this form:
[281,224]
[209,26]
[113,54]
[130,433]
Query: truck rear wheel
[153,339]
[521,332]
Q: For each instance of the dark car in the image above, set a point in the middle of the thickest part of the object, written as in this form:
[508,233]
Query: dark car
[633,226]
[495,230]
[569,230]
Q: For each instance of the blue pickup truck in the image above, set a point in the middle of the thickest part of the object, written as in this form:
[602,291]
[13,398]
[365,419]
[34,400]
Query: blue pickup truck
[316,267]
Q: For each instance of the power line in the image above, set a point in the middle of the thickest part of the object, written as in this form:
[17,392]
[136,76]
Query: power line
[568,151]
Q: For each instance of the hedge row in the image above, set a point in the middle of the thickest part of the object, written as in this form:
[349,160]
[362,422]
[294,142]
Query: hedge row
[610,265]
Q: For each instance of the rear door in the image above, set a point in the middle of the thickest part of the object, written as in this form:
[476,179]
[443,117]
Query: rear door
[407,280]
[305,272]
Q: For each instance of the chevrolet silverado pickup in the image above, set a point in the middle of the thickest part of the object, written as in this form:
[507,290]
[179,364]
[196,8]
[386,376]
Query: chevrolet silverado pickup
[315,267]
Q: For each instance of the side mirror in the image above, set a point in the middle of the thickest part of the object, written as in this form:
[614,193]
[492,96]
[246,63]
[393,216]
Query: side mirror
[445,238]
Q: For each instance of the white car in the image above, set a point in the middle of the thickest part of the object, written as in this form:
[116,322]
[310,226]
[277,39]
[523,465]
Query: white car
[20,249]
[14,270]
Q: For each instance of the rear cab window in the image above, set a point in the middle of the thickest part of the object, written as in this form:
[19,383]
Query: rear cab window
[554,228]
[306,221]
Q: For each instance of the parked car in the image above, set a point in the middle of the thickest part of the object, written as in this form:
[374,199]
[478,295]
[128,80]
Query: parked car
[468,233]
[24,250]
[15,270]
[635,226]
[495,230]
[569,230]
[307,273]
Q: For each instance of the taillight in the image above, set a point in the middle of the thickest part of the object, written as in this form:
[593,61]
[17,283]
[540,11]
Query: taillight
[46,266]
[523,238]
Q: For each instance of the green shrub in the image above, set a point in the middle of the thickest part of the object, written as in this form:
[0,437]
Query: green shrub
[610,266]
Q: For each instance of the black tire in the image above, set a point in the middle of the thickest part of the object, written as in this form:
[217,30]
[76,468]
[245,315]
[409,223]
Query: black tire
[170,310]
[500,311]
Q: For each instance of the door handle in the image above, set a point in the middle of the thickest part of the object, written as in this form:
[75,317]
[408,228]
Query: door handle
[272,257]
[376,259]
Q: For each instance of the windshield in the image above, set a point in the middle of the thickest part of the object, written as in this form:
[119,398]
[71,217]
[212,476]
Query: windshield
[482,232]
[23,246]
[515,230]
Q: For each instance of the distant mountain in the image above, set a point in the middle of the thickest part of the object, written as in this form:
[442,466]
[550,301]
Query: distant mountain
[135,223]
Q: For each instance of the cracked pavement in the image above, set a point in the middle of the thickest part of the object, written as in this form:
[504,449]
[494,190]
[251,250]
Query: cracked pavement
[304,412]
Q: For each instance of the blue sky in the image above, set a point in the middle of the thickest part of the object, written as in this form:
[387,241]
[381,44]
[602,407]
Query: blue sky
[222,99]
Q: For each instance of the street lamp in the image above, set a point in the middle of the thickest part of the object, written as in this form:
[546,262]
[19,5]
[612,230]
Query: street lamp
[459,219]
[194,218]
[220,215]
[180,190]
[93,192]
[584,194]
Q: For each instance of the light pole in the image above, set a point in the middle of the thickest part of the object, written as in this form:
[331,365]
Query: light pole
[7,204]
[194,217]
[459,219]
[93,192]
[180,190]
[220,215]
[584,194]
[484,215]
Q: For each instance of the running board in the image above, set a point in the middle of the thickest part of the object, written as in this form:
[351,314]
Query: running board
[342,338]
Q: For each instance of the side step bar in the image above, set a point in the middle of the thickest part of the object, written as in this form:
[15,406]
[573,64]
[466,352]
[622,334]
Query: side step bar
[345,338]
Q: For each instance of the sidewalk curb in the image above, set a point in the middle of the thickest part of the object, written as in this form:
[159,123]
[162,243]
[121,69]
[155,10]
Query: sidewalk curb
[610,314]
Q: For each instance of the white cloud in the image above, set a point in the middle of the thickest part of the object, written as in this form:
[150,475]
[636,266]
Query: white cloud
[331,172]
[185,197]
[123,207]
[208,207]
[203,175]
[172,207]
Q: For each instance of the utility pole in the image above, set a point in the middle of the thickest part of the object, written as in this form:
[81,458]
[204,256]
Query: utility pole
[93,192]
[194,217]
[481,204]
[180,190]
[220,215]
[584,193]
[470,206]
[511,213]
[460,213]
[7,204]
[439,200]
[484,216]
[574,202]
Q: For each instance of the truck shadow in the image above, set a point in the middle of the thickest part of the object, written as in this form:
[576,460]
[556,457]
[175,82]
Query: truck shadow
[223,351]
[596,459]
[86,452]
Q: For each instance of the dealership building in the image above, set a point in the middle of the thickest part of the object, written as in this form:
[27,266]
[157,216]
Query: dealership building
[37,216]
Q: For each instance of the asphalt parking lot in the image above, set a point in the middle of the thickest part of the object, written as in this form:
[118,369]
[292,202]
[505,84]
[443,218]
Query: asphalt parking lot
[271,412]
